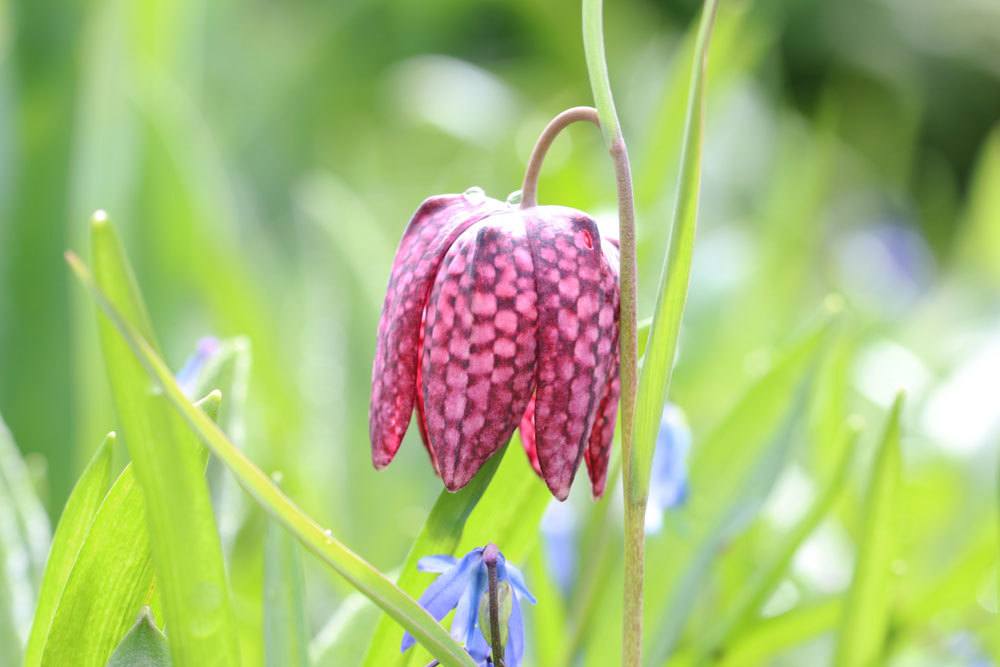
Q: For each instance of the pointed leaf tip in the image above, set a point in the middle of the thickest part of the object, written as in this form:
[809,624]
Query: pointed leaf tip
[144,645]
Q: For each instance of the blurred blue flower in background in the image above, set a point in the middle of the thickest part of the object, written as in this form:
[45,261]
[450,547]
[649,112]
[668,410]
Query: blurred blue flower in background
[884,266]
[559,533]
[668,487]
[187,376]
[461,586]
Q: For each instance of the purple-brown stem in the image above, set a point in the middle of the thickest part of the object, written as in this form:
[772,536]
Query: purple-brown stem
[490,555]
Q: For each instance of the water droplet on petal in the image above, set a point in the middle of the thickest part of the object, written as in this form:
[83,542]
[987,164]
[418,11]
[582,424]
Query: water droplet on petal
[514,198]
[475,193]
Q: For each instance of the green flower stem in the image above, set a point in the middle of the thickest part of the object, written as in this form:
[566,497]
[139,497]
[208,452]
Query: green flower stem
[635,499]
[529,189]
[356,570]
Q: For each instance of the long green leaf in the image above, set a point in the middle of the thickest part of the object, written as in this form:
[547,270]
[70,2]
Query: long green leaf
[110,581]
[440,535]
[111,576]
[165,456]
[285,637]
[361,574]
[755,592]
[866,612]
[70,535]
[143,646]
[731,472]
[654,380]
[775,635]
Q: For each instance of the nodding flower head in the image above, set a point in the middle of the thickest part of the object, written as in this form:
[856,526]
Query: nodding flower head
[497,317]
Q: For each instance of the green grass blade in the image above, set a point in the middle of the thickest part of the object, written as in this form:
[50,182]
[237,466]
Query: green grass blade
[185,542]
[775,635]
[756,591]
[110,581]
[70,535]
[111,576]
[731,472]
[866,612]
[286,643]
[143,646]
[358,572]
[440,535]
[654,380]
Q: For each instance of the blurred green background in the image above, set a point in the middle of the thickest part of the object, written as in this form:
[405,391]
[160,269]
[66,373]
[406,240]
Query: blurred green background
[261,159]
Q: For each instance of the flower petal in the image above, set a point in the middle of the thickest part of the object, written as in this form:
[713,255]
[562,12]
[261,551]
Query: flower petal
[478,363]
[433,228]
[514,651]
[443,595]
[601,436]
[527,430]
[437,564]
[576,328]
[479,649]
[463,625]
[512,574]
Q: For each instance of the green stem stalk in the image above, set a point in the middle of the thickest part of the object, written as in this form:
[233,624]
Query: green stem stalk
[635,503]
[490,559]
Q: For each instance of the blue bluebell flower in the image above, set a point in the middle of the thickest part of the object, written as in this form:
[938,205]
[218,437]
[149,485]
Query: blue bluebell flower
[187,377]
[668,487]
[460,586]
[559,537]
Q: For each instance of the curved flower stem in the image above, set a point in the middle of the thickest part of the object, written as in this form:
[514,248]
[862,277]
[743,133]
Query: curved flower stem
[635,499]
[529,190]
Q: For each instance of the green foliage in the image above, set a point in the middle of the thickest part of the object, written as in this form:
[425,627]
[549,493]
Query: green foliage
[869,601]
[356,570]
[664,332]
[111,579]
[69,539]
[169,468]
[285,633]
[261,193]
[144,645]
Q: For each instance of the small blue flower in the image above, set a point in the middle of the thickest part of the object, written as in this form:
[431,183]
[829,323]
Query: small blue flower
[559,535]
[187,376]
[460,587]
[668,486]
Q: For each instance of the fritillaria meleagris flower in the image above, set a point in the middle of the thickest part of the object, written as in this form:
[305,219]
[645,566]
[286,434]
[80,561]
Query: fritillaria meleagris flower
[497,317]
